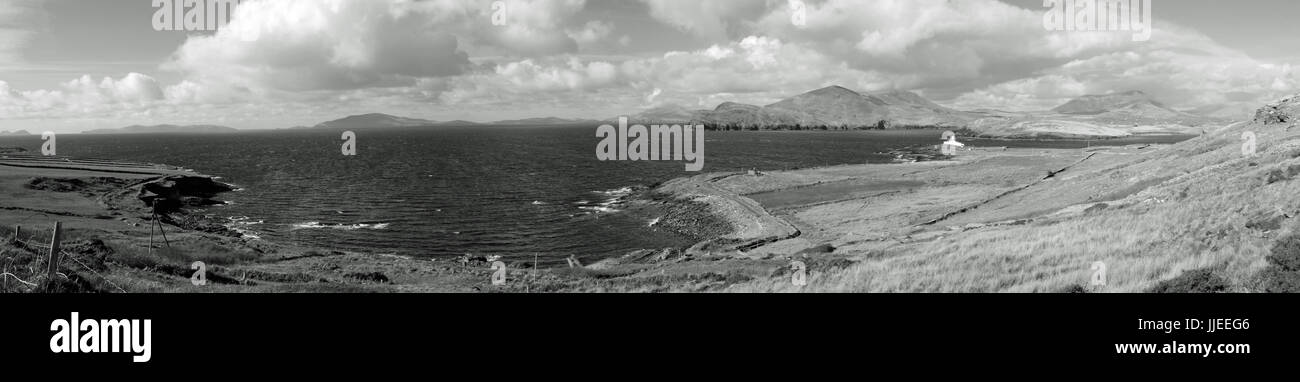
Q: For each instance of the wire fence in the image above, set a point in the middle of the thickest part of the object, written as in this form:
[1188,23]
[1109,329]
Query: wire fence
[15,277]
[92,270]
[34,241]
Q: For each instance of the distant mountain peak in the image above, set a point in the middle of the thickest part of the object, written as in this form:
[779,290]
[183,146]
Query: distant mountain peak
[1102,103]
[734,106]
[834,90]
[374,120]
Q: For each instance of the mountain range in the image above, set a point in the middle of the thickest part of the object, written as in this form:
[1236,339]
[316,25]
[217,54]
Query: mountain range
[1093,116]
[14,133]
[836,107]
[839,108]
[832,107]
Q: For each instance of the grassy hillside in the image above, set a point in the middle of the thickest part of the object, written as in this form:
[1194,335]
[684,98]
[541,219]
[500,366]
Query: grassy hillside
[1196,216]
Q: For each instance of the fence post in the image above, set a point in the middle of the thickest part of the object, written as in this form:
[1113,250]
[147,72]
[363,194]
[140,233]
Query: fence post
[17,230]
[54,254]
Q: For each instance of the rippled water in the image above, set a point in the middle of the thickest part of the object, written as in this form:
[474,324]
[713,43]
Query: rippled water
[513,191]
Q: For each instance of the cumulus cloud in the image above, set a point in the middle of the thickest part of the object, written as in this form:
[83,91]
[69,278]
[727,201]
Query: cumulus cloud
[753,64]
[937,43]
[537,27]
[84,95]
[572,75]
[955,46]
[325,44]
[1220,84]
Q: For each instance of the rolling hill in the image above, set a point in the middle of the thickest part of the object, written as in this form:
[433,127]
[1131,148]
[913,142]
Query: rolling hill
[373,120]
[1094,116]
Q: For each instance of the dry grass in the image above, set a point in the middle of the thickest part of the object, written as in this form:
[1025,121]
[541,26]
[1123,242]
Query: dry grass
[1199,205]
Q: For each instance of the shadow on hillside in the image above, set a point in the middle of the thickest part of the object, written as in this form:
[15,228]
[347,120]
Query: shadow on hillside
[1283,272]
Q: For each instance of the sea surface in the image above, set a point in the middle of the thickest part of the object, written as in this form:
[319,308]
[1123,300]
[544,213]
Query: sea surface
[510,191]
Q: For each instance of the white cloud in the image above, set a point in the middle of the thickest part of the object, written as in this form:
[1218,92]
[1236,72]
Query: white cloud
[528,75]
[85,95]
[537,27]
[305,45]
[1228,86]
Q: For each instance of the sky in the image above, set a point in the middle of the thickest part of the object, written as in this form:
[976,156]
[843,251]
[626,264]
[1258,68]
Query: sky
[74,65]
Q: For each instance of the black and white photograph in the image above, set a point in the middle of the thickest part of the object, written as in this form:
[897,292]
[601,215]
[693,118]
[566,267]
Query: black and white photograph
[522,147]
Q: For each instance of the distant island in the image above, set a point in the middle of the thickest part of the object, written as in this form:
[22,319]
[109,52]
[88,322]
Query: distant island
[173,129]
[14,133]
[373,120]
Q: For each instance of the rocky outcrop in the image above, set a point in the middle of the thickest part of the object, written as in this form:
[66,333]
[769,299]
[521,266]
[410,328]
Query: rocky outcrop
[170,194]
[1284,111]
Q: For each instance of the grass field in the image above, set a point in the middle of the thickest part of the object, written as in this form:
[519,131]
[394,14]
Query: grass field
[1196,216]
